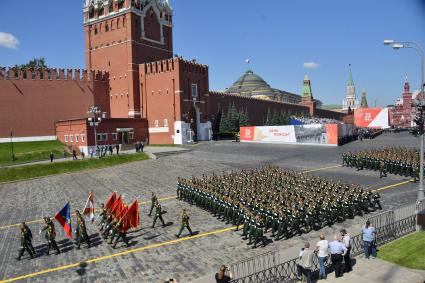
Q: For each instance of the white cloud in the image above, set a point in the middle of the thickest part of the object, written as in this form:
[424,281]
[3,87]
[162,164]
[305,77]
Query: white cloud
[8,40]
[311,65]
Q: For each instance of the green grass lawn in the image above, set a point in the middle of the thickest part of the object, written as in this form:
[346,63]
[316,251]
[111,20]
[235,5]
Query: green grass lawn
[30,151]
[45,169]
[408,251]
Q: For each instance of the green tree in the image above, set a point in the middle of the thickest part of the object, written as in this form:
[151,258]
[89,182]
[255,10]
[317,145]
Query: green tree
[275,118]
[233,117]
[243,118]
[224,123]
[268,118]
[36,64]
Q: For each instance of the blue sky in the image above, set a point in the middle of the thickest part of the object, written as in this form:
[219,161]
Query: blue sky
[278,36]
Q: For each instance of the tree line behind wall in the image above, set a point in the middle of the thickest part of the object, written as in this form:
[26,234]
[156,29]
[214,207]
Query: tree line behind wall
[234,118]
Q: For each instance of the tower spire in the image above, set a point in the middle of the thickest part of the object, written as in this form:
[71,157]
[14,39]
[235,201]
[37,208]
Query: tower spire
[363,104]
[350,81]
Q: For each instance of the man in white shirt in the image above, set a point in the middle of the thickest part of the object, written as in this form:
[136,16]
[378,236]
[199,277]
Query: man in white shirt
[346,241]
[322,248]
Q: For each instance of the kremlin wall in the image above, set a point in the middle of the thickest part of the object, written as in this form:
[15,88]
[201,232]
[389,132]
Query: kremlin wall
[144,92]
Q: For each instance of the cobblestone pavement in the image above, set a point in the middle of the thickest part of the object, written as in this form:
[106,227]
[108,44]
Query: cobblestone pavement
[154,255]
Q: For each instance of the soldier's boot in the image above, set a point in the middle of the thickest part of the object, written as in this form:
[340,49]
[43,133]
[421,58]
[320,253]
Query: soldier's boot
[179,233]
[154,221]
[190,230]
[163,222]
[32,249]
[21,253]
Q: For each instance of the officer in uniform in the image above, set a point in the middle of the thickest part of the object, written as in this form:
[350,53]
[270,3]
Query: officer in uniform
[154,201]
[158,214]
[81,231]
[50,235]
[185,223]
[26,245]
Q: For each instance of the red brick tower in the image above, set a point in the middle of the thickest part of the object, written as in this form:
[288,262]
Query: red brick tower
[120,35]
[407,104]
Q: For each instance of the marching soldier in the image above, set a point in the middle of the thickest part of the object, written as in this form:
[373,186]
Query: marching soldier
[119,233]
[154,201]
[382,169]
[26,245]
[81,231]
[158,214]
[50,235]
[185,223]
[28,230]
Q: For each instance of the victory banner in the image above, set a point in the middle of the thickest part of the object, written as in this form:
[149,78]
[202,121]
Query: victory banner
[377,118]
[268,134]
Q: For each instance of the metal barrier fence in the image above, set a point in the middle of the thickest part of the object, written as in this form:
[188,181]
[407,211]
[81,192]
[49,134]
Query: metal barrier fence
[390,216]
[381,219]
[286,272]
[255,264]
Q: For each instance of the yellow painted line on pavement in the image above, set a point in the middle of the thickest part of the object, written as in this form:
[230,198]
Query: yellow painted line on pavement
[172,242]
[321,169]
[395,185]
[40,220]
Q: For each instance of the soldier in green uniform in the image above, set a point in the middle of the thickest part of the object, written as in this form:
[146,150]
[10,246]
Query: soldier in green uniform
[119,233]
[158,214]
[81,231]
[185,223]
[26,245]
[154,201]
[382,169]
[257,233]
[50,235]
[111,222]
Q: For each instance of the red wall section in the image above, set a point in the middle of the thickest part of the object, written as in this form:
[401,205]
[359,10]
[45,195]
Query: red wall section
[30,107]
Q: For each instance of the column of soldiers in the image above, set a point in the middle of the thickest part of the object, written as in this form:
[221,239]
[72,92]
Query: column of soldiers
[110,226]
[394,160]
[284,201]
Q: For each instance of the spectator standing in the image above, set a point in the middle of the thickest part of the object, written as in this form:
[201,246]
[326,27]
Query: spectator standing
[117,148]
[91,152]
[221,277]
[110,149]
[74,155]
[337,251]
[322,248]
[306,261]
[136,145]
[142,145]
[369,233]
[83,155]
[346,238]
[51,156]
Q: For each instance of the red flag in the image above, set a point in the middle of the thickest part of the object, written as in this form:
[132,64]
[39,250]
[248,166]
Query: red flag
[118,206]
[111,200]
[89,207]
[131,218]
[123,212]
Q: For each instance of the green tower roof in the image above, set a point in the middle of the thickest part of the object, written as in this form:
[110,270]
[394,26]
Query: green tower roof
[306,87]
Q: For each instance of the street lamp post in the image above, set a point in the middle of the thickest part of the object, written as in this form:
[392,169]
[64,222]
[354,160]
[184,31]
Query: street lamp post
[11,142]
[419,104]
[94,121]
